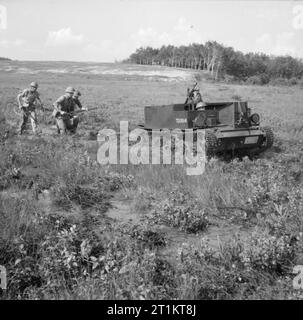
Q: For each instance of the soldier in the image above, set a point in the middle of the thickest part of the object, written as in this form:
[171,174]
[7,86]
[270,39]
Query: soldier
[76,96]
[198,102]
[77,102]
[63,112]
[27,101]
[197,97]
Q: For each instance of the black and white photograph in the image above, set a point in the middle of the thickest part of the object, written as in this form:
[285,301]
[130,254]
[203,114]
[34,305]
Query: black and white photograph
[151,151]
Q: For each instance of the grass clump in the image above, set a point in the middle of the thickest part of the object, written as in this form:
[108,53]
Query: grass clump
[180,211]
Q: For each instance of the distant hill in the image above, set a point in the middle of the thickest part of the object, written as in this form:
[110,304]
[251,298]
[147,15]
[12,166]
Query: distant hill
[5,59]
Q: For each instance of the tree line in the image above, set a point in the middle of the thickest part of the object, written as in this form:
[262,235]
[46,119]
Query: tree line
[221,61]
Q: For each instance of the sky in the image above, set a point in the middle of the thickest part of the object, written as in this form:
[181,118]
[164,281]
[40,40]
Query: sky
[105,31]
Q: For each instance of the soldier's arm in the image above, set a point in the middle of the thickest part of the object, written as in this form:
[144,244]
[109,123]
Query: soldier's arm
[78,103]
[57,104]
[21,95]
[19,100]
[39,99]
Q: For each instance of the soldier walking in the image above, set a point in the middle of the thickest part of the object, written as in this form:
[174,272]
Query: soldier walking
[27,101]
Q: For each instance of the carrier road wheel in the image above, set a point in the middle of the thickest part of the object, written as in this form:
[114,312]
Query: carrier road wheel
[211,144]
[269,137]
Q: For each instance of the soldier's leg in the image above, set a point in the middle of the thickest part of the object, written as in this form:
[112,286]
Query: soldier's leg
[74,124]
[34,121]
[69,125]
[61,126]
[23,122]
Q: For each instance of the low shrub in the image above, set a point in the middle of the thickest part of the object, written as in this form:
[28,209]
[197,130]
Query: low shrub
[268,253]
[279,82]
[182,212]
[260,79]
[84,196]
[254,80]
[147,236]
[293,81]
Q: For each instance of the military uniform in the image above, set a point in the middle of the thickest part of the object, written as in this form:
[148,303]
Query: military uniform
[66,122]
[77,102]
[28,104]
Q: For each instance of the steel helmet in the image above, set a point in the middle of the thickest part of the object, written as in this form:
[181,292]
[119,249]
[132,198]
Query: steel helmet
[70,90]
[77,93]
[201,104]
[34,84]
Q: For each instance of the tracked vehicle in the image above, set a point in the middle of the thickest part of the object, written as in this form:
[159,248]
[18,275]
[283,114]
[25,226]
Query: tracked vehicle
[231,127]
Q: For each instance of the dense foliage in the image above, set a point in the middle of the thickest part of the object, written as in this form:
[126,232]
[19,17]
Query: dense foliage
[219,60]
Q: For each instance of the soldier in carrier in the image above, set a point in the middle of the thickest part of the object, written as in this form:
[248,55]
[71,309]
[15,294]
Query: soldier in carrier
[194,99]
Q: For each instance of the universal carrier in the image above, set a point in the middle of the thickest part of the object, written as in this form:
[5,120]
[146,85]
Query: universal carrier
[230,126]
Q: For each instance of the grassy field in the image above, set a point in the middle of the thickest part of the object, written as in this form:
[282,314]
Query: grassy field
[72,229]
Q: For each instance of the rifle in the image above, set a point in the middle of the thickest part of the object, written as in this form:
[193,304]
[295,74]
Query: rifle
[88,110]
[73,113]
[25,112]
[190,93]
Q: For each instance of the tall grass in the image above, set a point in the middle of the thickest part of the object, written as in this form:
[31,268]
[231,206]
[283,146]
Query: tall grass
[57,242]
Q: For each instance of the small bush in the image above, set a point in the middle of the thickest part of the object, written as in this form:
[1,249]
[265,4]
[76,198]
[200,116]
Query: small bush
[264,78]
[260,79]
[293,81]
[256,80]
[268,253]
[214,276]
[229,79]
[147,236]
[180,211]
[86,197]
[279,82]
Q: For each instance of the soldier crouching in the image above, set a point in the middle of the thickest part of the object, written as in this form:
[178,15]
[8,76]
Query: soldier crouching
[64,108]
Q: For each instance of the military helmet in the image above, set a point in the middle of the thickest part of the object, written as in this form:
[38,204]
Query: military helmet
[70,90]
[34,84]
[77,93]
[201,105]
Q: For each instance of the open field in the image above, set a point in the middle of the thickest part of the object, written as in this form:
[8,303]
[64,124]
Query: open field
[71,229]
